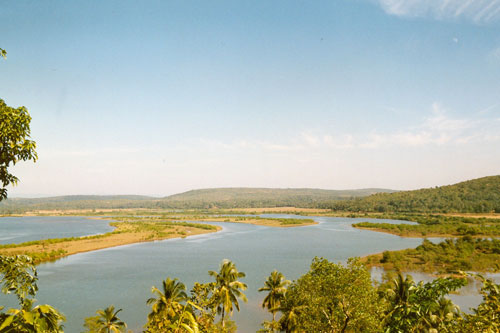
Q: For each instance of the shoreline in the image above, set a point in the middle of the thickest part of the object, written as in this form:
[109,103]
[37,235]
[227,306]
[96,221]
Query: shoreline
[45,250]
[430,235]
[123,233]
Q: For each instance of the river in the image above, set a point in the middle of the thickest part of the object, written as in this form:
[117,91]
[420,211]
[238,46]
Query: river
[80,284]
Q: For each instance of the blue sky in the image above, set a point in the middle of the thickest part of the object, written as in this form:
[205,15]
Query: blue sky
[159,97]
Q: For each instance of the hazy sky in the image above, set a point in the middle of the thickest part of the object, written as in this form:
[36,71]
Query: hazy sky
[159,97]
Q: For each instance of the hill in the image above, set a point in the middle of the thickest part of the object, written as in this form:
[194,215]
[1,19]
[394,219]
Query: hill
[195,199]
[261,197]
[20,205]
[480,195]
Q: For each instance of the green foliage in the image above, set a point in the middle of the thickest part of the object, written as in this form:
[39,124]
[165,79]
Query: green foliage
[106,321]
[228,289]
[480,195]
[224,198]
[421,307]
[19,276]
[328,298]
[486,317]
[276,285]
[436,225]
[3,53]
[15,144]
[332,298]
[166,305]
[449,256]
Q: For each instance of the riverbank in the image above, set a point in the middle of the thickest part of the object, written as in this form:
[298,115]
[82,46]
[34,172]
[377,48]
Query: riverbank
[268,222]
[125,233]
[410,234]
[447,257]
[136,229]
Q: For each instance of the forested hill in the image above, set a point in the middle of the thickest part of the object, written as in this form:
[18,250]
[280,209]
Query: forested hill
[480,195]
[262,197]
[195,199]
[19,205]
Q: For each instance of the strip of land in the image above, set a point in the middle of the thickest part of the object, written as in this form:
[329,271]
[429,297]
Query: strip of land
[448,257]
[124,233]
[269,222]
[135,229]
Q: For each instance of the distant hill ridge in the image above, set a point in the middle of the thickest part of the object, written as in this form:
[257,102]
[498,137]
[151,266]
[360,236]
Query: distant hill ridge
[481,195]
[231,193]
[195,199]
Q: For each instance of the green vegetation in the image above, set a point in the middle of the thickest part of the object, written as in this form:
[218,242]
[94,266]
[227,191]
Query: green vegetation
[44,250]
[223,198]
[19,276]
[253,218]
[15,143]
[276,286]
[480,195]
[328,298]
[106,321]
[331,298]
[449,256]
[419,307]
[436,225]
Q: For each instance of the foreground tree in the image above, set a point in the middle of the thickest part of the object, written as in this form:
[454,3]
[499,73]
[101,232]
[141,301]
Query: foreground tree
[15,143]
[422,307]
[205,302]
[228,289]
[106,321]
[18,276]
[276,285]
[486,317]
[166,305]
[332,298]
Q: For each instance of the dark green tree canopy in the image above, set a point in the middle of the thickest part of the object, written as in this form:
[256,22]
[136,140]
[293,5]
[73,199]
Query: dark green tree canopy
[15,143]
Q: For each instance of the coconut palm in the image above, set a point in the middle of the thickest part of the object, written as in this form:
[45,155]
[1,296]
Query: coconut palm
[276,286]
[185,321]
[107,321]
[166,305]
[228,288]
[289,321]
[400,292]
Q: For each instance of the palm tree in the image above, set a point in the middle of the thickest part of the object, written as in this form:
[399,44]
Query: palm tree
[401,290]
[289,321]
[108,321]
[227,288]
[166,304]
[276,285]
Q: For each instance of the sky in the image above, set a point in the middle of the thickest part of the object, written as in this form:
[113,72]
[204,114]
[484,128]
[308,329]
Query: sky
[161,97]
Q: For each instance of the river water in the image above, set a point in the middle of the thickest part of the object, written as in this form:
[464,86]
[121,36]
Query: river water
[80,284]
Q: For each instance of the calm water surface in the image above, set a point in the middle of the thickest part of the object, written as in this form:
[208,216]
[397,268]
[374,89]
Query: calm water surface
[80,284]
[24,229]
